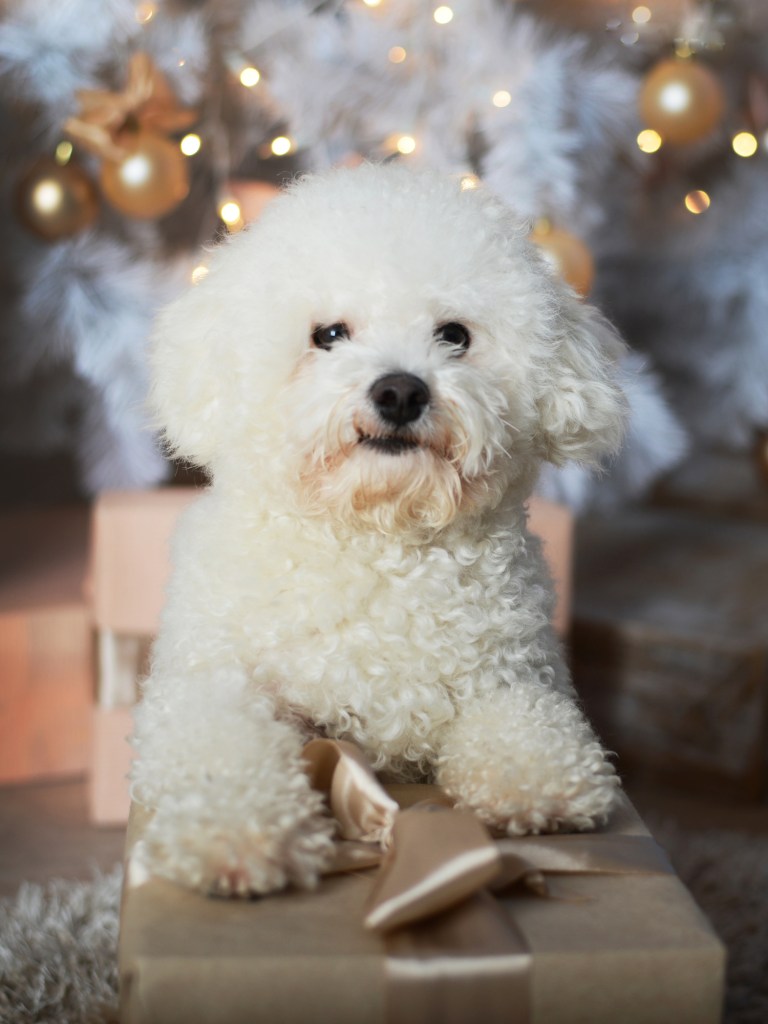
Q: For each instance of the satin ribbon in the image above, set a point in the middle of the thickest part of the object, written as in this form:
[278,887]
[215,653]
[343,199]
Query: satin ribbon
[147,101]
[453,953]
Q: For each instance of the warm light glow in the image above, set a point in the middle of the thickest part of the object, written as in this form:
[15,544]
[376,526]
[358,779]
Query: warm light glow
[649,141]
[641,15]
[190,144]
[63,152]
[683,49]
[443,15]
[371,3]
[674,97]
[47,195]
[281,145]
[697,201]
[397,54]
[502,98]
[181,62]
[229,211]
[145,13]
[250,77]
[744,144]
[469,181]
[198,273]
[406,144]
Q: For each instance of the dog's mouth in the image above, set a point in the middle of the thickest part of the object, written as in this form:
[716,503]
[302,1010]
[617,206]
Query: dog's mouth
[391,444]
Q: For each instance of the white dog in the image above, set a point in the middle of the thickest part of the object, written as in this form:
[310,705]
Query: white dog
[372,376]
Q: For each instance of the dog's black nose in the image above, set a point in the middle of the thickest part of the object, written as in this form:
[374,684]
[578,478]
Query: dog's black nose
[399,398]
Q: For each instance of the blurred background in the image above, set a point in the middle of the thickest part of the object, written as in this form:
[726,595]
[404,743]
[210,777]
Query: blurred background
[634,139]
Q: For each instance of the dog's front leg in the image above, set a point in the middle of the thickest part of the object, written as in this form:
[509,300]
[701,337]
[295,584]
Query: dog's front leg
[233,812]
[526,760]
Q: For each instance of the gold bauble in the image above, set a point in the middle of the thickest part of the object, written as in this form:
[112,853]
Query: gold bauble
[682,100]
[150,179]
[56,201]
[567,254]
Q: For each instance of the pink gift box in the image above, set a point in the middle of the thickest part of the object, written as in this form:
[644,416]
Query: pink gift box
[46,663]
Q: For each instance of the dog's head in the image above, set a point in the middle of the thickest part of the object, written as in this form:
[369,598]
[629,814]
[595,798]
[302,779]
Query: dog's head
[388,348]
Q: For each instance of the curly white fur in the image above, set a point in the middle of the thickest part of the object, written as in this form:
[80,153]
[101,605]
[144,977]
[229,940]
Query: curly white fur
[324,584]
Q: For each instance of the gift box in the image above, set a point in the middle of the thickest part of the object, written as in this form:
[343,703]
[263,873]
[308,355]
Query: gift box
[129,570]
[129,567]
[670,646]
[619,939]
[46,658]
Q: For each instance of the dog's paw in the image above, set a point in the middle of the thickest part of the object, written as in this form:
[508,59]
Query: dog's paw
[219,851]
[528,762]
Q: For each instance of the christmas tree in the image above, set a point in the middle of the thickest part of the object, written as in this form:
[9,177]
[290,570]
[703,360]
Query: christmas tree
[138,134]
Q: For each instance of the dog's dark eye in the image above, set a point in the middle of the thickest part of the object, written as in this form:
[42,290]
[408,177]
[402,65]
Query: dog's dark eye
[325,337]
[454,334]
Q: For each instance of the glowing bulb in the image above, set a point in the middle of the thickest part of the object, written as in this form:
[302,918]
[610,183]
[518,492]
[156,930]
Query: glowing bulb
[641,15]
[145,13]
[63,152]
[442,15]
[649,141]
[198,273]
[181,62]
[406,144]
[229,211]
[697,201]
[371,3]
[502,98]
[190,144]
[397,54]
[469,181]
[47,195]
[250,77]
[674,97]
[744,144]
[281,145]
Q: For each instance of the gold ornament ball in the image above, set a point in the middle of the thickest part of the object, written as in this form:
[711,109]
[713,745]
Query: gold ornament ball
[150,180]
[567,254]
[56,201]
[682,100]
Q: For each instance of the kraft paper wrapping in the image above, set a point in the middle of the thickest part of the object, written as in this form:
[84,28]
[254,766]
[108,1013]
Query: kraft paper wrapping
[629,948]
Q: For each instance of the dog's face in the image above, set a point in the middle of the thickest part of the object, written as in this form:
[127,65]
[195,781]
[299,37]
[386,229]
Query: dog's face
[390,350]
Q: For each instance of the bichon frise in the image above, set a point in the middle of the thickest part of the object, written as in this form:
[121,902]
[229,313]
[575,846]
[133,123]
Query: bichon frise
[372,376]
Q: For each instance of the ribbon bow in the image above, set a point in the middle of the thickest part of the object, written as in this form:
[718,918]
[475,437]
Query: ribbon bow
[434,857]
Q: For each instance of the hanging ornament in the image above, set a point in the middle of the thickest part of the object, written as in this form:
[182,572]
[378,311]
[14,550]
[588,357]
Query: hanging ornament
[567,254]
[56,200]
[149,179]
[682,100]
[144,174]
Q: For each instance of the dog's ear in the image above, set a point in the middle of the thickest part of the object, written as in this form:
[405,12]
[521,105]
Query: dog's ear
[582,410]
[185,392]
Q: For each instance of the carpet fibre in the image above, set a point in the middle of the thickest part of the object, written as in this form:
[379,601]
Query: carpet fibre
[58,942]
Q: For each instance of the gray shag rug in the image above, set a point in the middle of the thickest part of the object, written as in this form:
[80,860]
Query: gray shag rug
[58,942]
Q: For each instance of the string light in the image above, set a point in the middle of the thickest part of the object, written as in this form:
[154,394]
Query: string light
[281,145]
[406,144]
[249,77]
[442,15]
[744,144]
[697,201]
[371,3]
[190,144]
[469,181]
[198,273]
[502,98]
[397,54]
[231,214]
[649,141]
[63,152]
[641,15]
[145,13]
